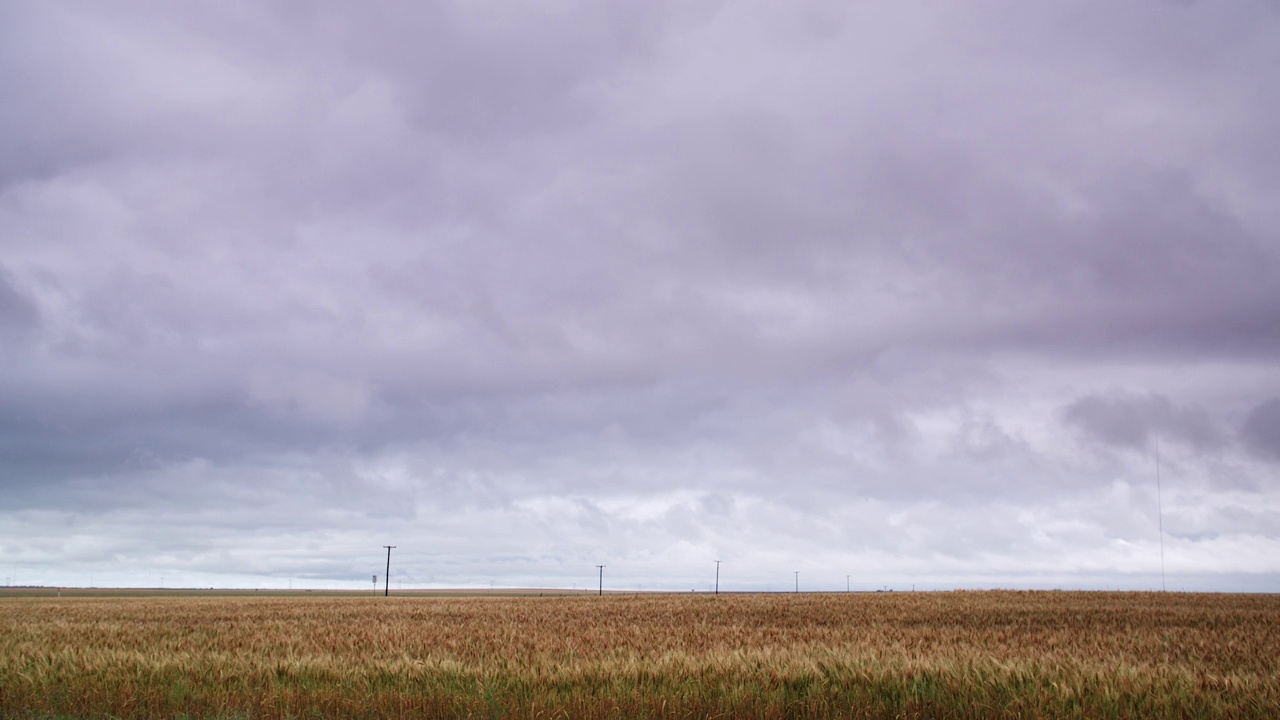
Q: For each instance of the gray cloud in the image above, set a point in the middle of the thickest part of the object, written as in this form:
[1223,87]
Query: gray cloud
[1131,421]
[17,311]
[657,280]
[1261,430]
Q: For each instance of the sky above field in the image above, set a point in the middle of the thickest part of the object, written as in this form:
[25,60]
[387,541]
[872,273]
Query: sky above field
[884,293]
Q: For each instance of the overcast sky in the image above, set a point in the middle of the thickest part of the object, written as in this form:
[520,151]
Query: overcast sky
[911,292]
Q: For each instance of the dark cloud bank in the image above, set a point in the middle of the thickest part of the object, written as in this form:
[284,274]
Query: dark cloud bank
[903,291]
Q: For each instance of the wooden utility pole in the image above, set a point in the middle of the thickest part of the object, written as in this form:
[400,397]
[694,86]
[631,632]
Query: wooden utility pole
[386,585]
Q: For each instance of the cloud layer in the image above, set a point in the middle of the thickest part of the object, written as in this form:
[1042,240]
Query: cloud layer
[903,292]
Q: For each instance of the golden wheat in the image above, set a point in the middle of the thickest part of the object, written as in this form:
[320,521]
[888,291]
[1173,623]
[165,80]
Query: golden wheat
[962,654]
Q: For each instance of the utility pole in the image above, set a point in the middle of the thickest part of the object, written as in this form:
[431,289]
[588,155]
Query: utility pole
[717,577]
[797,572]
[601,568]
[846,583]
[386,585]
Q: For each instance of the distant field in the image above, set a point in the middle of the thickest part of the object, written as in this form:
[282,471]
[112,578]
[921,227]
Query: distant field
[890,655]
[81,592]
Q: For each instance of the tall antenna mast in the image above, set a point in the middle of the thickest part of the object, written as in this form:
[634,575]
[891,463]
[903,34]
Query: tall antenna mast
[1160,509]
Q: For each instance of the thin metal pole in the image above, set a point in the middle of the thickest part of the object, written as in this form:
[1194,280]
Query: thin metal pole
[386,585]
[601,568]
[846,583]
[1160,508]
[717,577]
[797,572]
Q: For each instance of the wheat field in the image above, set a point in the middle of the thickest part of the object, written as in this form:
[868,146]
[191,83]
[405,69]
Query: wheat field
[878,655]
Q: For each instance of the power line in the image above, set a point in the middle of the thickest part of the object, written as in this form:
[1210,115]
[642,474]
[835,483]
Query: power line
[1160,509]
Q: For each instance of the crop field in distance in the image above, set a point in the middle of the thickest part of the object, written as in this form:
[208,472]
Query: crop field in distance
[877,655]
